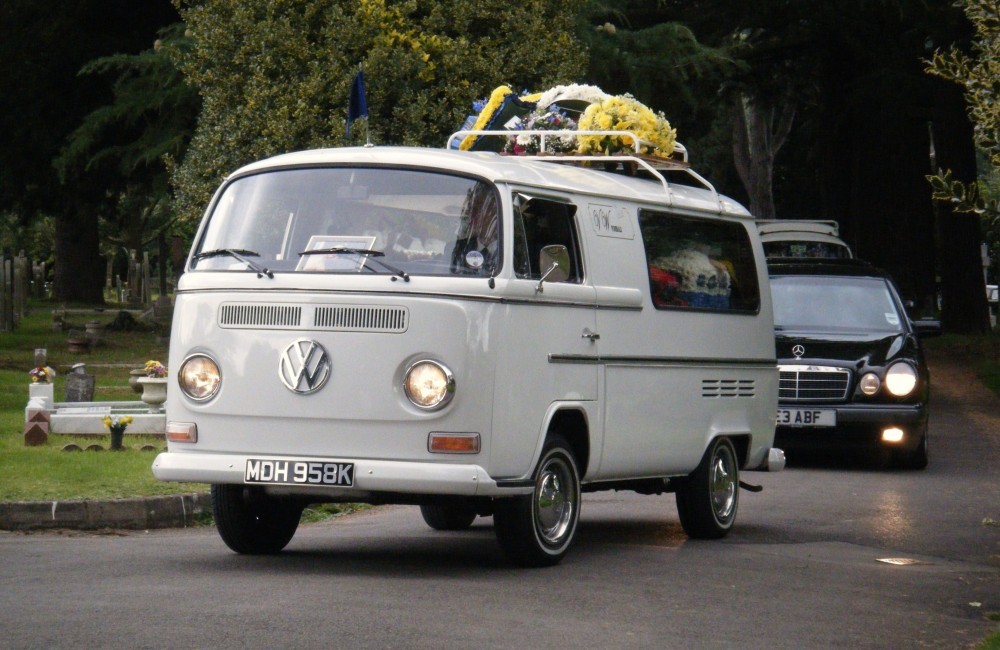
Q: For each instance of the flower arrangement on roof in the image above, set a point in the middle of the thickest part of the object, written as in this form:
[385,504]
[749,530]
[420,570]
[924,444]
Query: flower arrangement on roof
[155,369]
[42,375]
[567,96]
[548,121]
[625,113]
[592,110]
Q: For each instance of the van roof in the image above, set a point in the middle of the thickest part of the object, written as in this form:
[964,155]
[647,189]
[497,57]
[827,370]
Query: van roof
[545,174]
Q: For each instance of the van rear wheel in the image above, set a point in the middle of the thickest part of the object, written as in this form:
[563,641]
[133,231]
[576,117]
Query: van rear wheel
[537,529]
[707,501]
[251,522]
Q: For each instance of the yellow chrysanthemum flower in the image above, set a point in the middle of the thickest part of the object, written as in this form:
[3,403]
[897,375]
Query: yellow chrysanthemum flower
[624,113]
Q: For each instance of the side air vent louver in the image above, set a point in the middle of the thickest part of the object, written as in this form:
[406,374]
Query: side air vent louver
[361,319]
[260,316]
[727,388]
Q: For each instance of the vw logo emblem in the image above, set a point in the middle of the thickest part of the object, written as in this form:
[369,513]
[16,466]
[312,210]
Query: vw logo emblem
[304,367]
[798,351]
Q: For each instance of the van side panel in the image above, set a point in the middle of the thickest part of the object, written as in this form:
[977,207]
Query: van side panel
[675,377]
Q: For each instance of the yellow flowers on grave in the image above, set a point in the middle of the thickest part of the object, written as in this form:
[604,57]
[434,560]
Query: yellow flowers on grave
[41,375]
[117,423]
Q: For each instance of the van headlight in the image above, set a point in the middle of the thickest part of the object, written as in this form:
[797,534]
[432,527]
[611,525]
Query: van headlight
[429,385]
[199,377]
[900,379]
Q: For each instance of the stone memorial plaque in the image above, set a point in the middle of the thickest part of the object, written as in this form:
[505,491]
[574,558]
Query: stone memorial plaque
[79,387]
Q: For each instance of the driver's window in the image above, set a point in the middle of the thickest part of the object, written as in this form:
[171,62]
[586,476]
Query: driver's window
[540,223]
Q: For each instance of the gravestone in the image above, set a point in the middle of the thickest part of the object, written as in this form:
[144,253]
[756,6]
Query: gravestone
[79,385]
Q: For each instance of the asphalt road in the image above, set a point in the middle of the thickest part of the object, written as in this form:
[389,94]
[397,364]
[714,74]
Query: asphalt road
[802,569]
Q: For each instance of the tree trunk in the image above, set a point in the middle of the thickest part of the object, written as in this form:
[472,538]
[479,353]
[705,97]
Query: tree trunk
[759,131]
[79,267]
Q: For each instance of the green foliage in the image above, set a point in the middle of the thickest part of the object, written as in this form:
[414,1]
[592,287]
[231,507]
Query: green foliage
[34,238]
[151,116]
[275,75]
[132,140]
[979,76]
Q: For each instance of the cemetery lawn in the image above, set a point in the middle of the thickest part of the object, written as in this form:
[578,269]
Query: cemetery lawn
[46,472]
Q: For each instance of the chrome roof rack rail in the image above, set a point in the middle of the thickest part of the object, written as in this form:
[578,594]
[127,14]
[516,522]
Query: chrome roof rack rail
[651,164]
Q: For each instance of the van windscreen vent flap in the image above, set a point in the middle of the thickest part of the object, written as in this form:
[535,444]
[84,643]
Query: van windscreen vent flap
[235,315]
[348,318]
[727,387]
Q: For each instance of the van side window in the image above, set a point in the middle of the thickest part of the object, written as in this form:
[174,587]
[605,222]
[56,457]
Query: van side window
[699,263]
[539,223]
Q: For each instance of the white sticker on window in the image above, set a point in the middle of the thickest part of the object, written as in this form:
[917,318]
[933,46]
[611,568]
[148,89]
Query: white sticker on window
[892,319]
[474,259]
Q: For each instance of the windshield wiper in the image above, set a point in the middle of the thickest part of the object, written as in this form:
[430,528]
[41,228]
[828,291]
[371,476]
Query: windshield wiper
[365,253]
[238,253]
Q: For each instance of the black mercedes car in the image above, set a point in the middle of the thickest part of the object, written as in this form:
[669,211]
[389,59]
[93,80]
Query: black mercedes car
[851,367]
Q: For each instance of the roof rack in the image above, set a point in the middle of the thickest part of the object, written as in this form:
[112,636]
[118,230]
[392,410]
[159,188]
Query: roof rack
[651,164]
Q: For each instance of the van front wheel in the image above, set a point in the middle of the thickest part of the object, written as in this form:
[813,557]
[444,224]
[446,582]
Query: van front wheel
[251,522]
[708,498]
[537,529]
[448,516]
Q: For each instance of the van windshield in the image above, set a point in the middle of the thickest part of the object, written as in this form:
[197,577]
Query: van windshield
[354,220]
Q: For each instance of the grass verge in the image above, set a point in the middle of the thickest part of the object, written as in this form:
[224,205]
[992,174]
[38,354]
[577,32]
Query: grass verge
[46,472]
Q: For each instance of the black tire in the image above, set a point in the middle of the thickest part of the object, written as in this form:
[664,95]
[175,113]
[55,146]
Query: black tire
[449,516]
[916,459]
[708,500]
[252,523]
[537,529]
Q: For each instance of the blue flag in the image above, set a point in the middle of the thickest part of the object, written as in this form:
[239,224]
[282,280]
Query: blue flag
[358,105]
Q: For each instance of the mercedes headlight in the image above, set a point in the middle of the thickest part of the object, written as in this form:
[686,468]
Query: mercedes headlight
[429,385]
[199,377]
[900,379]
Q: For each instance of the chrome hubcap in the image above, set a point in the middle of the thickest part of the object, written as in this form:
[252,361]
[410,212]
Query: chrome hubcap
[723,485]
[555,501]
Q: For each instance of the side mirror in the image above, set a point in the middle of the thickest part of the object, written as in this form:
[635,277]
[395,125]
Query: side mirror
[555,260]
[927,328]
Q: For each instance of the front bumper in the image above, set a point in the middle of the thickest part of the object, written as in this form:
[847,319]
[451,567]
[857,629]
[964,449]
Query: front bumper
[373,479]
[858,423]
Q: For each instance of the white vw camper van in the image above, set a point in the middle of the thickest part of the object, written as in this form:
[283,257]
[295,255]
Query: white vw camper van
[472,333]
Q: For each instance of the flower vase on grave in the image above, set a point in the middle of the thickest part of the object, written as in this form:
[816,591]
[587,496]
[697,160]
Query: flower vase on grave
[117,437]
[154,392]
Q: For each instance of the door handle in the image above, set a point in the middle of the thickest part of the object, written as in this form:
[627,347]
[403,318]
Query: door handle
[587,334]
